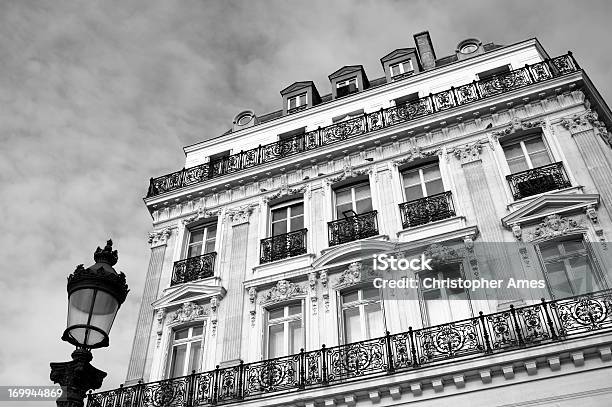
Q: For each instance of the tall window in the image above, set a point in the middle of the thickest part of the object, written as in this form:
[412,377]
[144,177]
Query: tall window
[346,87]
[186,354]
[201,240]
[443,304]
[568,268]
[526,154]
[285,330]
[400,68]
[296,101]
[362,316]
[423,181]
[355,198]
[287,218]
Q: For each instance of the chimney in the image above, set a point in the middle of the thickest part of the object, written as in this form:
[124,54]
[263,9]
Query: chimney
[426,50]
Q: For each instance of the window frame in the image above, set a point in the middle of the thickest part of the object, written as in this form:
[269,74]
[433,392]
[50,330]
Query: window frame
[297,98]
[189,341]
[521,141]
[360,304]
[352,187]
[401,66]
[285,320]
[286,205]
[422,181]
[203,242]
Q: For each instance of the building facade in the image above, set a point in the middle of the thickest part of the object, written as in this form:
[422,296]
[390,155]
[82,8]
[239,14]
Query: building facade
[494,162]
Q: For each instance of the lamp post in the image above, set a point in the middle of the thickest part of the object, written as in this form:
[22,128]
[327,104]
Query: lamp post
[95,294]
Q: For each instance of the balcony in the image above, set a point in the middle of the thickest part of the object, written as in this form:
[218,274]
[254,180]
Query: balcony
[426,210]
[482,336]
[538,180]
[384,118]
[353,228]
[193,268]
[283,246]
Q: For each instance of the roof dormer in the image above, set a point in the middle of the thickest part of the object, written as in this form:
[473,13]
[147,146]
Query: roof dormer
[400,63]
[299,96]
[348,80]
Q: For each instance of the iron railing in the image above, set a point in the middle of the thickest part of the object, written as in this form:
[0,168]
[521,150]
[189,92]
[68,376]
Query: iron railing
[538,180]
[428,105]
[353,228]
[193,268]
[283,246]
[533,325]
[426,210]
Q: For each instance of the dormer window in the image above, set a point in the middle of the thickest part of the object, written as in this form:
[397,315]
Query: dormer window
[297,101]
[401,68]
[346,87]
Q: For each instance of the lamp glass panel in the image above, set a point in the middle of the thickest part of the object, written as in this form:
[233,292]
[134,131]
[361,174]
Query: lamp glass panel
[104,311]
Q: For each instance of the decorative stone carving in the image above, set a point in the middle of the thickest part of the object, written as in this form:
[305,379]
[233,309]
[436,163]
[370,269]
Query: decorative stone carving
[524,256]
[188,312]
[517,231]
[517,125]
[161,314]
[241,215]
[159,237]
[348,172]
[200,213]
[468,241]
[285,191]
[416,153]
[282,291]
[469,152]
[324,283]
[552,226]
[591,213]
[252,300]
[214,310]
[355,273]
[599,232]
[441,254]
[312,285]
[585,121]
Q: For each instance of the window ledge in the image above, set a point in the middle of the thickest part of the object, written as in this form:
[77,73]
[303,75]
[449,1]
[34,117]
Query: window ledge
[431,229]
[513,206]
[284,265]
[376,237]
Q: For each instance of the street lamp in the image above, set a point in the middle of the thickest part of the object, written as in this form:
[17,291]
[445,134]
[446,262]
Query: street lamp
[95,294]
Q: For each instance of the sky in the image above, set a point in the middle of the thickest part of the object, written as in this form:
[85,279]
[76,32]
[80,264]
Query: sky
[97,97]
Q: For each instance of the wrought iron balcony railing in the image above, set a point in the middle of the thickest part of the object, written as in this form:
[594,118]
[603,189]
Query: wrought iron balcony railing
[384,118]
[538,180]
[353,228]
[534,325]
[193,268]
[283,246]
[426,210]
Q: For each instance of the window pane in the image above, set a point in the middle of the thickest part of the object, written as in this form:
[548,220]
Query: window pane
[278,214]
[194,250]
[302,99]
[178,360]
[181,334]
[210,246]
[518,164]
[343,196]
[196,236]
[373,315]
[295,309]
[297,209]
[572,246]
[513,151]
[549,250]
[292,102]
[557,279]
[350,297]
[582,275]
[195,357]
[363,206]
[296,335]
[412,178]
[297,223]
[414,192]
[340,209]
[278,228]
[370,293]
[197,331]
[276,313]
[539,159]
[431,173]
[362,192]
[534,144]
[395,70]
[275,341]
[434,187]
[352,327]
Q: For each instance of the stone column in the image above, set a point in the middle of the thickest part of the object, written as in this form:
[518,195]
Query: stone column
[230,325]
[136,367]
[591,138]
[491,251]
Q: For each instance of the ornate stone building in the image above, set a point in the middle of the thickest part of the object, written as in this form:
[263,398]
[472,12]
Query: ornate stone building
[494,161]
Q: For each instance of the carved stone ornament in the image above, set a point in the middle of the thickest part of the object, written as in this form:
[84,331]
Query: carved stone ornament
[355,273]
[517,231]
[591,213]
[252,300]
[189,311]
[469,152]
[285,191]
[517,125]
[323,277]
[348,172]
[283,290]
[553,226]
[161,314]
[585,121]
[242,214]
[159,237]
[441,254]
[414,153]
[214,309]
[201,213]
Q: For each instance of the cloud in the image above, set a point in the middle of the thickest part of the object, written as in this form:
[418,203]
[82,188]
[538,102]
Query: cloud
[96,97]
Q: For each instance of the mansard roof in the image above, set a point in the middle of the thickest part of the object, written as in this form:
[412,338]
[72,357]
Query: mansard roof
[346,70]
[297,85]
[397,53]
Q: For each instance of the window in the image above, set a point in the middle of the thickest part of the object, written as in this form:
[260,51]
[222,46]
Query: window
[443,304]
[201,240]
[287,218]
[346,87]
[423,181]
[500,70]
[218,156]
[568,268]
[401,68]
[362,316]
[285,330]
[296,101]
[407,99]
[526,154]
[186,353]
[356,198]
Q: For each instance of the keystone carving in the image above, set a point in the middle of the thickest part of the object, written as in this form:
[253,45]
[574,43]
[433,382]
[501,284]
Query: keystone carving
[282,291]
[188,312]
[553,226]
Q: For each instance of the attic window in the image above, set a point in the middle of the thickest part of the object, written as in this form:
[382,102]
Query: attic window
[407,99]
[218,156]
[500,70]
[346,87]
[296,101]
[401,68]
